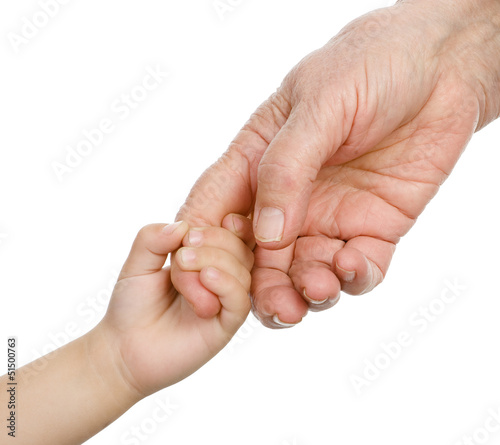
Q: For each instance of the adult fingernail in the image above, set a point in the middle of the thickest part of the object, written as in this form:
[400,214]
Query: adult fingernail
[195,238]
[277,320]
[335,300]
[373,275]
[238,225]
[171,228]
[270,225]
[188,256]
[347,275]
[310,300]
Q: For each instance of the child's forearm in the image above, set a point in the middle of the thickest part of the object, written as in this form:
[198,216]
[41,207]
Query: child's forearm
[71,394]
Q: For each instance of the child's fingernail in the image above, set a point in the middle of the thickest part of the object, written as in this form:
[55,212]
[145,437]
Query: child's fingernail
[170,228]
[270,225]
[187,255]
[213,273]
[195,237]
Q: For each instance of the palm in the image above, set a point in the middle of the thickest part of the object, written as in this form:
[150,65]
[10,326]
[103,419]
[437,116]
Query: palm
[364,206]
[149,309]
[381,193]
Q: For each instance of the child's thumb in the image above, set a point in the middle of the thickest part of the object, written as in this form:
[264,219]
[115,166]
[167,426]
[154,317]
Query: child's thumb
[151,248]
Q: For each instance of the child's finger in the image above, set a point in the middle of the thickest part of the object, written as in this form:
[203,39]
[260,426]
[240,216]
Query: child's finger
[220,238]
[151,248]
[241,227]
[195,259]
[204,303]
[233,296]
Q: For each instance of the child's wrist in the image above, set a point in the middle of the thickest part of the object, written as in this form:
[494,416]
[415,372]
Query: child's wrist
[110,371]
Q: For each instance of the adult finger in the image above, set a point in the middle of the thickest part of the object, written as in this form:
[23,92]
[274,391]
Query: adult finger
[241,227]
[311,271]
[362,264]
[289,168]
[275,302]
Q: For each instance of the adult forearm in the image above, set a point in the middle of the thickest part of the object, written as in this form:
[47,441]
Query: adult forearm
[469,45]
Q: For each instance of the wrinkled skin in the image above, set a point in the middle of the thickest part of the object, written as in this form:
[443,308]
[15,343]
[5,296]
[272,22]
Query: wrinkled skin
[352,146]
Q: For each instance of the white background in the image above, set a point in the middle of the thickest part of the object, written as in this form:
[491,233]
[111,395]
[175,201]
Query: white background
[61,243]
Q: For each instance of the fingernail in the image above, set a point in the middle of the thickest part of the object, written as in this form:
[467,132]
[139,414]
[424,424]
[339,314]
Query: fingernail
[213,273]
[171,228]
[270,225]
[238,225]
[313,301]
[335,300]
[187,255]
[277,320]
[372,278]
[195,237]
[348,275]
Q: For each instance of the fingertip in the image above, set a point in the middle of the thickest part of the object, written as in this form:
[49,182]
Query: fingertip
[357,274]
[151,248]
[231,294]
[211,273]
[205,312]
[346,267]
[186,258]
[316,305]
[271,229]
[279,307]
[270,225]
[317,284]
[241,226]
[178,228]
[233,223]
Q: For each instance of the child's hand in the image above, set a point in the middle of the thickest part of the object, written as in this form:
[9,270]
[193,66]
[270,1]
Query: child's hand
[188,282]
[156,336]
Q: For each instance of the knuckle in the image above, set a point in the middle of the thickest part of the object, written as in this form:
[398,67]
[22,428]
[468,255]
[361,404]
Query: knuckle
[249,261]
[278,176]
[246,279]
[145,231]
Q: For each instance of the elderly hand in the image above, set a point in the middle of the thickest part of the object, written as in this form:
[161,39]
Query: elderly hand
[336,166]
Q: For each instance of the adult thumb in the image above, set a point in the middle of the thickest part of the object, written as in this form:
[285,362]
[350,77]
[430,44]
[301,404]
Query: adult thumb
[286,176]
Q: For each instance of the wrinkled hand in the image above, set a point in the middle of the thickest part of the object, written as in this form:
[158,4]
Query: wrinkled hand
[337,165]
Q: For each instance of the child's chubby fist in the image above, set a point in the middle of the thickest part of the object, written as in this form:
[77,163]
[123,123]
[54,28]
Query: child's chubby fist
[209,246]
[152,330]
